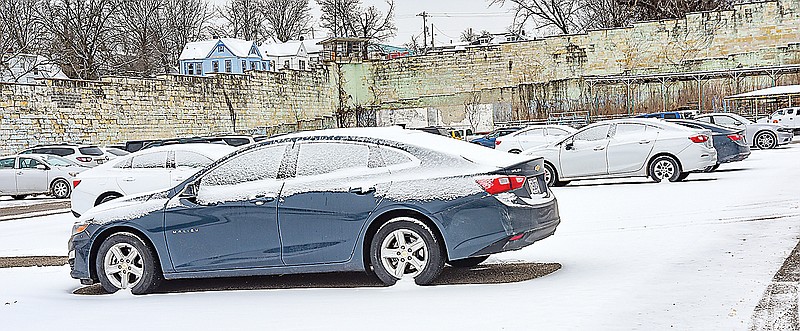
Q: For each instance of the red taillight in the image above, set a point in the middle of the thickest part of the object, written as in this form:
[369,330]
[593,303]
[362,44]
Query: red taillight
[774,121]
[495,185]
[735,137]
[75,183]
[700,138]
[497,142]
[84,159]
[517,237]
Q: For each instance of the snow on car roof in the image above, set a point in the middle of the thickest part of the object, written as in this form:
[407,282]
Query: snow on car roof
[214,151]
[445,145]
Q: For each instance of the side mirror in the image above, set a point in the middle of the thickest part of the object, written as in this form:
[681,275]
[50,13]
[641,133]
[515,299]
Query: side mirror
[737,123]
[569,146]
[190,190]
[42,167]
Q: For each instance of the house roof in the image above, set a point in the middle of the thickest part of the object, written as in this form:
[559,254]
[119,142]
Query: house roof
[289,48]
[201,49]
[313,45]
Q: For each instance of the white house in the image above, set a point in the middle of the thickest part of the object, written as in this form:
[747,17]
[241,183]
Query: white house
[27,68]
[289,55]
[226,55]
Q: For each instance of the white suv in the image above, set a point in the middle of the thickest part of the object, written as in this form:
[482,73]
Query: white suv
[85,155]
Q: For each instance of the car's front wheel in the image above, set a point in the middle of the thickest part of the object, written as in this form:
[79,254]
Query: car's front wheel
[665,167]
[766,140]
[406,247]
[60,189]
[125,262]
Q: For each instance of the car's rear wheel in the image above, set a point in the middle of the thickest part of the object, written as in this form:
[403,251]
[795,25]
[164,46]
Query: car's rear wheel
[665,167]
[468,262]
[406,247]
[60,189]
[551,177]
[19,197]
[766,140]
[125,262]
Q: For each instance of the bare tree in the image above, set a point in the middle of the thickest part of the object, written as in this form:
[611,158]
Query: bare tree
[471,110]
[243,19]
[287,19]
[186,21]
[469,36]
[80,33]
[374,25]
[663,9]
[21,38]
[139,41]
[608,14]
[337,16]
[563,15]
[347,18]
[414,45]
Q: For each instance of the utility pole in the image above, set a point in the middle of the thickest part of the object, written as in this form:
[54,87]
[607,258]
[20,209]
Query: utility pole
[432,45]
[424,31]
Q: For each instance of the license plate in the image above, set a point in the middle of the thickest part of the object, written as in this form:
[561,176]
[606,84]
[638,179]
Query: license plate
[533,184]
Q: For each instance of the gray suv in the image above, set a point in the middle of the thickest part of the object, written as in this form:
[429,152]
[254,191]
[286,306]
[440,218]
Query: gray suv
[85,155]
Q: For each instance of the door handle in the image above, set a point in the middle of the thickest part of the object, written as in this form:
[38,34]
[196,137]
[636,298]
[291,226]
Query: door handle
[644,142]
[600,148]
[260,200]
[362,190]
[128,179]
[20,173]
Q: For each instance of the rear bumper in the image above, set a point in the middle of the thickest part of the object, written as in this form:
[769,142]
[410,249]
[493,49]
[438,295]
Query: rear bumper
[785,137]
[488,225]
[732,153]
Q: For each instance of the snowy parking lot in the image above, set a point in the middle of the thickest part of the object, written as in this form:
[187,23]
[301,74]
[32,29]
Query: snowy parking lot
[633,254]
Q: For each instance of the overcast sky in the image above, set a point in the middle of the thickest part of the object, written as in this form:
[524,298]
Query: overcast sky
[449,17]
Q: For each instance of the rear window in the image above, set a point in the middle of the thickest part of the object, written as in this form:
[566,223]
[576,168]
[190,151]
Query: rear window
[7,163]
[60,151]
[236,141]
[93,151]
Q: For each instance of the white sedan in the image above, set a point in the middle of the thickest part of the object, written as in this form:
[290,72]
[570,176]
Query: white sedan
[628,148]
[532,137]
[147,170]
[28,174]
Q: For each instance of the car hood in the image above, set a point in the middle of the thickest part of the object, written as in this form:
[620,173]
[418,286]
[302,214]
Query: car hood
[126,208]
[772,126]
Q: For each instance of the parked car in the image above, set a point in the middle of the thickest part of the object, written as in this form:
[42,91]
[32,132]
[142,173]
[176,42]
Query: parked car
[177,141]
[490,139]
[628,148]
[437,130]
[759,135]
[232,140]
[729,143]
[24,175]
[114,152]
[151,169]
[135,145]
[460,133]
[789,117]
[532,136]
[85,155]
[396,202]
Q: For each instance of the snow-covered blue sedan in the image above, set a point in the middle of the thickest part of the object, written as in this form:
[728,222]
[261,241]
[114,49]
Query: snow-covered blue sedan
[388,201]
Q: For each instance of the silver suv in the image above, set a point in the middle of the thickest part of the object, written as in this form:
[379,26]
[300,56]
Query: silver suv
[85,155]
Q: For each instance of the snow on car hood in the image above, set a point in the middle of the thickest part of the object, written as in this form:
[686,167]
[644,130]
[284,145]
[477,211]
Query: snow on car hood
[126,208]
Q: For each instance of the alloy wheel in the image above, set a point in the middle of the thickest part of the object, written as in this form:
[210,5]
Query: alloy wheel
[123,265]
[60,189]
[765,141]
[404,252]
[663,169]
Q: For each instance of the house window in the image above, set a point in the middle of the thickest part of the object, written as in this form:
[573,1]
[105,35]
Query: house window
[215,66]
[220,49]
[244,65]
[191,69]
[228,65]
[264,65]
[253,65]
[302,65]
[287,65]
[199,69]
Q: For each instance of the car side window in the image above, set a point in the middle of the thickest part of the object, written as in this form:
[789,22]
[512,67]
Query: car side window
[533,133]
[393,157]
[556,132]
[26,163]
[790,112]
[150,161]
[7,163]
[317,158]
[629,129]
[706,119]
[592,134]
[258,164]
[725,120]
[188,159]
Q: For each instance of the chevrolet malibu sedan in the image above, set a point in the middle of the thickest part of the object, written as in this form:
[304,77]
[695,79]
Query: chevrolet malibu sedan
[392,202]
[24,175]
[758,135]
[628,148]
[152,169]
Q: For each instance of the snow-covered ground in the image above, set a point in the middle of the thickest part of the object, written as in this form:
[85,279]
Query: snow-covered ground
[635,255]
[7,202]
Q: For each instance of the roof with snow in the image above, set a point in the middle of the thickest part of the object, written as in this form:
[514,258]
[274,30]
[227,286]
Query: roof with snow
[289,48]
[776,91]
[202,49]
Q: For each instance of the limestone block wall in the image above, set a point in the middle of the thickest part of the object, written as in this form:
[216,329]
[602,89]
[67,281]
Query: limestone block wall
[116,109]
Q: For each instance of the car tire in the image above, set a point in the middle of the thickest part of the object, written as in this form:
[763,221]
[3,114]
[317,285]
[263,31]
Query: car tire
[60,189]
[468,262]
[551,176]
[765,140]
[108,198]
[515,151]
[400,241]
[682,177]
[19,197]
[665,167]
[124,261]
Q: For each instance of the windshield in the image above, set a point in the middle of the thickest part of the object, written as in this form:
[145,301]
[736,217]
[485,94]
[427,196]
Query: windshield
[58,161]
[92,150]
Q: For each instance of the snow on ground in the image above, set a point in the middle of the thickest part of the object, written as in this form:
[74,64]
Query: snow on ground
[7,202]
[45,235]
[636,256]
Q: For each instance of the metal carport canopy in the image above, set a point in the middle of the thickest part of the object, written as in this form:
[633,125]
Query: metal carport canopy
[772,92]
